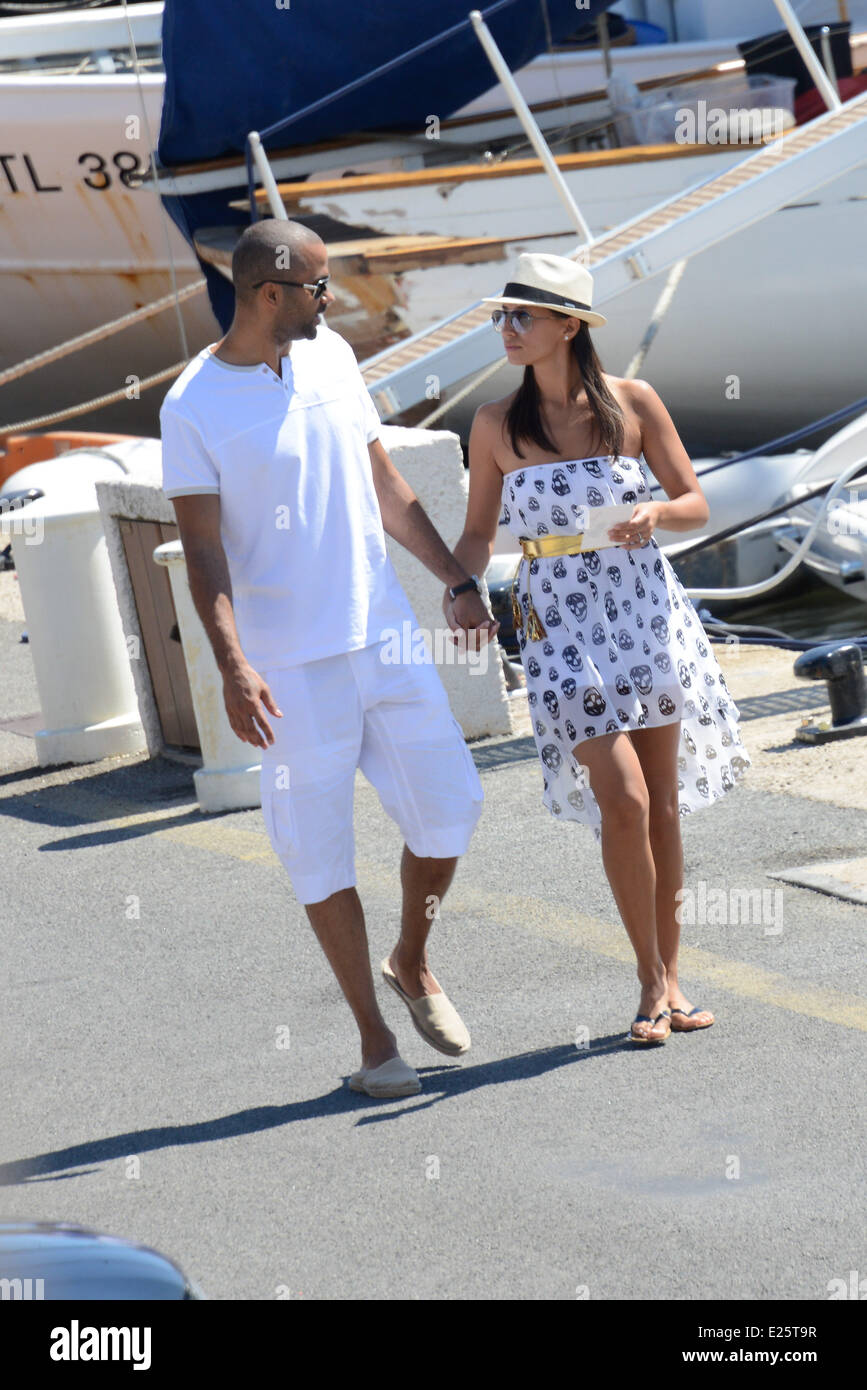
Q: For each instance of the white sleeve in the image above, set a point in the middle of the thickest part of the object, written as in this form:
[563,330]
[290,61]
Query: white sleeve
[188,468]
[371,415]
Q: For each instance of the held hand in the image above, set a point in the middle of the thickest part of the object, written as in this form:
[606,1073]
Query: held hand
[468,617]
[246,698]
[636,532]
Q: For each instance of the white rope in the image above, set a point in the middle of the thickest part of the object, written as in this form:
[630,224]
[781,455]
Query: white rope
[762,587]
[21,426]
[95,335]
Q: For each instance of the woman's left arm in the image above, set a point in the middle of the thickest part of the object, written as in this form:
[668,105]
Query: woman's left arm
[687,508]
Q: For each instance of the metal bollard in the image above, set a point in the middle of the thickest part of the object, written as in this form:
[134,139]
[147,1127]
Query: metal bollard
[841,665]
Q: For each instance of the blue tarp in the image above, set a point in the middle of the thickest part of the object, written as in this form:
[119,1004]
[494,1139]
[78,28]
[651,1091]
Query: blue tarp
[233,66]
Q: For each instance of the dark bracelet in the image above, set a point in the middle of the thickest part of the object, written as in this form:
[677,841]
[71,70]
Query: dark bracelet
[472,583]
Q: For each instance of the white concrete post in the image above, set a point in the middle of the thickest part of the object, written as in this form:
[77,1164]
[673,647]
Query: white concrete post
[80,657]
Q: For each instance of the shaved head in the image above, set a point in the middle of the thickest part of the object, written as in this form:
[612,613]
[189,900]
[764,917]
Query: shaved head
[270,248]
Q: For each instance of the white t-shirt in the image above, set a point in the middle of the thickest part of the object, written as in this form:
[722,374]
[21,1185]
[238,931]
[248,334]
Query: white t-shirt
[300,519]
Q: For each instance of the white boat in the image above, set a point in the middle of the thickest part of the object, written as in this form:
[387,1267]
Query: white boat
[79,125]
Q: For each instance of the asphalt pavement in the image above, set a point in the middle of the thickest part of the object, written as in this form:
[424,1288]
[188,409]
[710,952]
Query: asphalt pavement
[176,1051]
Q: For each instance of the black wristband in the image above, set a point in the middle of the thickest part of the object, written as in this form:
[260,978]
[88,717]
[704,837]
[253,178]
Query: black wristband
[472,583]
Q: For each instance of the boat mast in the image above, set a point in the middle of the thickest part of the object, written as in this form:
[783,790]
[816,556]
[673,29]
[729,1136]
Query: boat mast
[525,116]
[811,62]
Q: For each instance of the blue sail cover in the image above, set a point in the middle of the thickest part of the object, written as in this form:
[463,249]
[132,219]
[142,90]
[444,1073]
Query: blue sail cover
[233,66]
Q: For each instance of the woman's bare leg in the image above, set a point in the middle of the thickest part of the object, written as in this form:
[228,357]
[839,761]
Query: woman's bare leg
[657,753]
[618,785]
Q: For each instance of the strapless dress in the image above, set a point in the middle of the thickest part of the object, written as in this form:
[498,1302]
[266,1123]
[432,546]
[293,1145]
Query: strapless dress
[623,646]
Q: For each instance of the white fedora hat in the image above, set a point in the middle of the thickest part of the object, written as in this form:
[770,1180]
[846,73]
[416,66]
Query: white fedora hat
[559,284]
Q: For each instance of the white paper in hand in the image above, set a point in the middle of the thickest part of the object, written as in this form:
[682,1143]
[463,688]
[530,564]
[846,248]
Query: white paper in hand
[595,523]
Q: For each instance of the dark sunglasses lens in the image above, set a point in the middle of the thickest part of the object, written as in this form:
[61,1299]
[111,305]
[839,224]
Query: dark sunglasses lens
[498,318]
[321,287]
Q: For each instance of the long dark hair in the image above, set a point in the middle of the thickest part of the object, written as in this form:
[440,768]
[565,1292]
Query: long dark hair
[524,416]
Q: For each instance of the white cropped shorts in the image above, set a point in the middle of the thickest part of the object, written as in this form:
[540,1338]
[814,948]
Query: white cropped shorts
[393,720]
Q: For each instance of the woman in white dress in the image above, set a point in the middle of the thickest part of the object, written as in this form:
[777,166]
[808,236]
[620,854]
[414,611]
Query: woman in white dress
[633,722]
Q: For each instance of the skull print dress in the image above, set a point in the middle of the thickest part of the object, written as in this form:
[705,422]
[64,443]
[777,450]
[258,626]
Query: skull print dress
[623,645]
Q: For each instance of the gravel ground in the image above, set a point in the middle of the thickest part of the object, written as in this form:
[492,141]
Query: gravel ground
[11,607]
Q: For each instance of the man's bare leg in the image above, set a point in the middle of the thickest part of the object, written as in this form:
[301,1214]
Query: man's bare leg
[422,880]
[338,922]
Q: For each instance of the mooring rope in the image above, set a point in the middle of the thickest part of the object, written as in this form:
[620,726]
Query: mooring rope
[22,426]
[95,335]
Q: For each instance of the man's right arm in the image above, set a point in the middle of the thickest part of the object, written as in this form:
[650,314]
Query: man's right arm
[246,695]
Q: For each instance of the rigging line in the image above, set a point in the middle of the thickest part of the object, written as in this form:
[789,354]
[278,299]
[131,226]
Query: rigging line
[353,86]
[380,71]
[63,5]
[182,332]
[764,586]
[543,5]
[789,504]
[452,401]
[804,432]
[577,128]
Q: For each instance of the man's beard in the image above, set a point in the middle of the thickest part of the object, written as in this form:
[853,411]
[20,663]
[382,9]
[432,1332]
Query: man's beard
[287,334]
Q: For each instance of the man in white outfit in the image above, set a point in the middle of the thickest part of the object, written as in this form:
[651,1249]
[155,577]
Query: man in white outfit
[282,491]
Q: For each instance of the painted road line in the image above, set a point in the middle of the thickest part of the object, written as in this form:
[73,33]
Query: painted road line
[535,915]
[545,918]
[252,846]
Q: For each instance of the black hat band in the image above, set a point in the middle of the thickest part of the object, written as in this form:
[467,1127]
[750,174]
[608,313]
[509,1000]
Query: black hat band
[515,290]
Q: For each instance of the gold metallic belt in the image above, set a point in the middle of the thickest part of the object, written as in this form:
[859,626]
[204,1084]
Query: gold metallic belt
[544,548]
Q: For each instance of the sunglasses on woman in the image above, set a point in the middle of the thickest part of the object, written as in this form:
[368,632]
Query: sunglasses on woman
[518,319]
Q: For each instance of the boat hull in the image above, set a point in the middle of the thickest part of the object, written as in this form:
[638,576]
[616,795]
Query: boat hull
[762,334]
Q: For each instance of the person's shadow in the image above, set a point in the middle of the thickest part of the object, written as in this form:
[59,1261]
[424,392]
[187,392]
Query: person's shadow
[441,1082]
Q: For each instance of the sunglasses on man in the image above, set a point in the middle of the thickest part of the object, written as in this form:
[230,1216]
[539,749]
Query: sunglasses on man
[316,290]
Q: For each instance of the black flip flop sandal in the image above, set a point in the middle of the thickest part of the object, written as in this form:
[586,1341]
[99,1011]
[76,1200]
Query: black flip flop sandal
[697,1010]
[645,1018]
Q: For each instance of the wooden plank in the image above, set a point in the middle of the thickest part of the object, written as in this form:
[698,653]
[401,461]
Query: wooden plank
[131,534]
[383,255]
[174,652]
[156,613]
[404,180]
[388,259]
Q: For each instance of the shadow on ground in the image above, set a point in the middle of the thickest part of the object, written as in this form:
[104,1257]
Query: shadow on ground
[442,1082]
